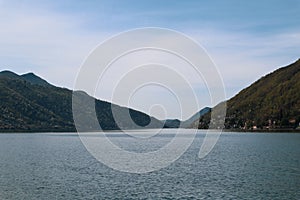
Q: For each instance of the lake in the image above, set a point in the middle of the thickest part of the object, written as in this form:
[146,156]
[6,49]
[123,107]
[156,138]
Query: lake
[241,166]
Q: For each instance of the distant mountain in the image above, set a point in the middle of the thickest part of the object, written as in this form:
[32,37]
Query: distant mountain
[196,116]
[34,79]
[9,74]
[171,123]
[176,123]
[29,103]
[29,77]
[271,103]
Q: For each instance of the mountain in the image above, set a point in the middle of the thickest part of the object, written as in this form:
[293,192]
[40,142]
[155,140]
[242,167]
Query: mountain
[176,123]
[34,79]
[171,123]
[29,103]
[271,103]
[29,77]
[196,116]
[9,74]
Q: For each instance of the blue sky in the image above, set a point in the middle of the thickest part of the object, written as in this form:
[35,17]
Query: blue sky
[246,39]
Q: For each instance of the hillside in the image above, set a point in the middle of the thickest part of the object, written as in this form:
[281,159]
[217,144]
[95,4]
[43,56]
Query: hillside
[29,103]
[196,116]
[271,103]
[176,123]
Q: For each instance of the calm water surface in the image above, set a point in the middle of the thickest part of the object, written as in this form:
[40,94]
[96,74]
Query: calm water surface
[241,166]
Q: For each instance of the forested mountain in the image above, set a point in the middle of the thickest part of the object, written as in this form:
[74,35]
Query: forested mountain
[272,102]
[29,103]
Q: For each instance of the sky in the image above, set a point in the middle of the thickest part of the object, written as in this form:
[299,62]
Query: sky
[245,39]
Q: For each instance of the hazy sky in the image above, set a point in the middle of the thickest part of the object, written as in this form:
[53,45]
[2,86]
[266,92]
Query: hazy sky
[246,39]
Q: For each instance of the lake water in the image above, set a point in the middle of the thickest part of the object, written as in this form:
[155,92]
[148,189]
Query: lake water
[241,166]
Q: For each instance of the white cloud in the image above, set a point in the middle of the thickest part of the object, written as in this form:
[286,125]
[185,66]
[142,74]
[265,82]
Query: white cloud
[48,43]
[243,58]
[54,45]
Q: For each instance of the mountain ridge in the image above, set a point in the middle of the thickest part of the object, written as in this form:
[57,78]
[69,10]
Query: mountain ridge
[270,103]
[28,103]
[176,123]
[34,79]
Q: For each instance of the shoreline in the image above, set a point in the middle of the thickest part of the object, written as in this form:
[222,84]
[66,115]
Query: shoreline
[118,130]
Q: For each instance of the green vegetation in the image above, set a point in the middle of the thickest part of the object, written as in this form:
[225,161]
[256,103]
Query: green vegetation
[271,103]
[30,104]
